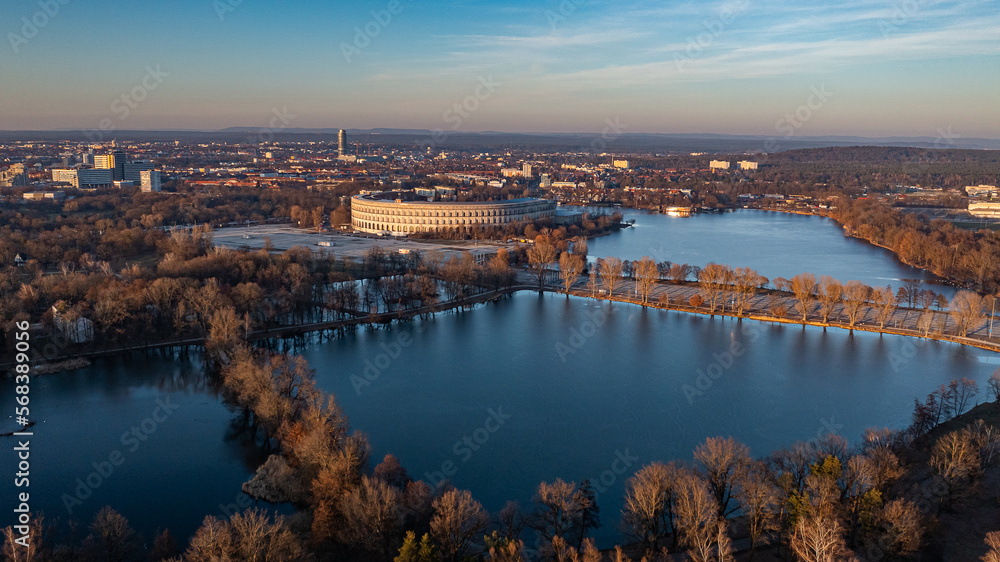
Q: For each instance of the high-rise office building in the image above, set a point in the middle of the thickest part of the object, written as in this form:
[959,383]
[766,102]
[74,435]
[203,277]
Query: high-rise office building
[132,170]
[342,142]
[114,161]
[150,180]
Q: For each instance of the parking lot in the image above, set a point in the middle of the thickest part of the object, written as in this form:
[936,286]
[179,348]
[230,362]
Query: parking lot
[284,237]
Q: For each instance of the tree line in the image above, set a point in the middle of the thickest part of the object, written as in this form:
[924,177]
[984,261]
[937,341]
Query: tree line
[195,290]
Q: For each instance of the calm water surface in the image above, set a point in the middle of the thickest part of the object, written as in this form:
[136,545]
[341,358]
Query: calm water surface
[775,244]
[579,398]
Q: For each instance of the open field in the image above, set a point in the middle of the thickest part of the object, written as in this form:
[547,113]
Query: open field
[284,237]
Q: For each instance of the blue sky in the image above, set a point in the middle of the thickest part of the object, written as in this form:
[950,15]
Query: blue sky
[899,67]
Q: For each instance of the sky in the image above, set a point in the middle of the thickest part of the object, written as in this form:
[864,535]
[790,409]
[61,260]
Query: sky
[881,68]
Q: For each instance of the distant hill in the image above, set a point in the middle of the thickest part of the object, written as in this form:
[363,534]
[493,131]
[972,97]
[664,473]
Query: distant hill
[492,140]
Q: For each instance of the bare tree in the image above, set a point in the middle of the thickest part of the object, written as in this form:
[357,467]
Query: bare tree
[649,510]
[713,279]
[458,520]
[679,272]
[745,283]
[25,548]
[899,528]
[967,308]
[611,273]
[592,282]
[819,538]
[964,391]
[113,535]
[994,385]
[803,286]
[760,501]
[698,518]
[646,275]
[560,511]
[724,460]
[249,536]
[371,516]
[570,267]
[992,541]
[856,295]
[511,521]
[955,458]
[540,255]
[829,294]
[885,304]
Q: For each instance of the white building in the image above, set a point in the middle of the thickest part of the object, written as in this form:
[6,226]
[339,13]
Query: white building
[986,210]
[620,164]
[84,178]
[981,190]
[149,180]
[747,165]
[718,165]
[73,327]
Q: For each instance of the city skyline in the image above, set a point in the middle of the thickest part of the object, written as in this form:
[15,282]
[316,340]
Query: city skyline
[861,68]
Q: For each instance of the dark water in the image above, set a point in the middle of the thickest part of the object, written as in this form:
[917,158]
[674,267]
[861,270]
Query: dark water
[581,396]
[583,389]
[180,464]
[775,244]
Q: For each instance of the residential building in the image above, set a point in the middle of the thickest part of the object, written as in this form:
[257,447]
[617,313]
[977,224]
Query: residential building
[718,165]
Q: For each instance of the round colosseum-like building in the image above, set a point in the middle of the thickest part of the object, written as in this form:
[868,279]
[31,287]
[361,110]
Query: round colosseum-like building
[387,213]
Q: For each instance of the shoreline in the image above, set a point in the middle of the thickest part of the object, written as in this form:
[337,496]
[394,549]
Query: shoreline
[76,361]
[79,360]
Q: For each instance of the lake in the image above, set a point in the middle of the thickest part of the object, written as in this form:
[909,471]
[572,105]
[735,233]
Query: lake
[775,244]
